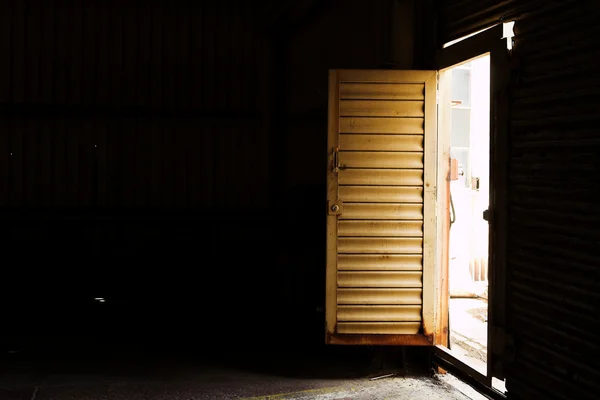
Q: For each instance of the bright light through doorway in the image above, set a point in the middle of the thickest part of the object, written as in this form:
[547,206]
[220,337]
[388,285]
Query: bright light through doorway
[508,34]
[469,131]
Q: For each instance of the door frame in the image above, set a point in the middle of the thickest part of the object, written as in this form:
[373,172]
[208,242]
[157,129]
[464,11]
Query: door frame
[489,42]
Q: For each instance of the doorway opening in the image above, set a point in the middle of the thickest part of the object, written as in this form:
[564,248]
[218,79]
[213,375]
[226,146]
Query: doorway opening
[467,128]
[472,207]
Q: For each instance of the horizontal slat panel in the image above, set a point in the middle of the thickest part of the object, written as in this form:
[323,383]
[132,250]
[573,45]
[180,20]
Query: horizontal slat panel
[382,211]
[387,76]
[380,228]
[380,159]
[549,306]
[380,279]
[538,263]
[381,108]
[580,301]
[381,177]
[379,313]
[548,352]
[384,328]
[563,334]
[381,125]
[380,245]
[382,91]
[381,194]
[552,373]
[561,241]
[381,142]
[549,247]
[364,262]
[379,296]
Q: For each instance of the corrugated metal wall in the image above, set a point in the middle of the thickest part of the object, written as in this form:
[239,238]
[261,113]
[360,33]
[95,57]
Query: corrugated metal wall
[90,91]
[553,259]
[458,18]
[343,34]
[553,239]
[133,163]
[350,42]
[146,140]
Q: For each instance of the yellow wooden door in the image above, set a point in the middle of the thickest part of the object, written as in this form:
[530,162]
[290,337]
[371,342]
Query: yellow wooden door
[381,222]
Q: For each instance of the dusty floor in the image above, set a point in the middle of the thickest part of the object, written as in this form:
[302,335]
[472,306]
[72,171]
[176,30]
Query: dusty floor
[468,333]
[254,375]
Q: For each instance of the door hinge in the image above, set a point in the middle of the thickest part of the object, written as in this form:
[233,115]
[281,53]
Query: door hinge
[487,215]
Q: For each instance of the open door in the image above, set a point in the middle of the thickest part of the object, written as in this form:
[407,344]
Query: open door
[388,208]
[382,241]
[485,50]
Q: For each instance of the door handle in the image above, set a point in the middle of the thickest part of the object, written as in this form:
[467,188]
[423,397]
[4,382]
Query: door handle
[486,215]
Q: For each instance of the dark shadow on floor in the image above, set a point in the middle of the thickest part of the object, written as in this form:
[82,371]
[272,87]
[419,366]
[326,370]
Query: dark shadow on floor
[90,359]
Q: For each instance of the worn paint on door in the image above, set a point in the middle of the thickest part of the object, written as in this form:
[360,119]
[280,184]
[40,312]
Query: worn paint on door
[381,219]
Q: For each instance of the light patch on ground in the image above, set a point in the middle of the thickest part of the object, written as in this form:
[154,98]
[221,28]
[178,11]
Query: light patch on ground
[392,389]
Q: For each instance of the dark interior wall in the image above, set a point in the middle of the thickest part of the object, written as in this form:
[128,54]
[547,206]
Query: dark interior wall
[553,272]
[338,37]
[554,267]
[169,156]
[141,104]
[134,163]
[342,34]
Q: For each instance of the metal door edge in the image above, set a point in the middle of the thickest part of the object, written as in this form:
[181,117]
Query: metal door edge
[483,384]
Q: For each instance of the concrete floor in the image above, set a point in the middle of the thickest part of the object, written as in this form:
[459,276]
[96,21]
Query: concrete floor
[272,374]
[468,331]
[468,334]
